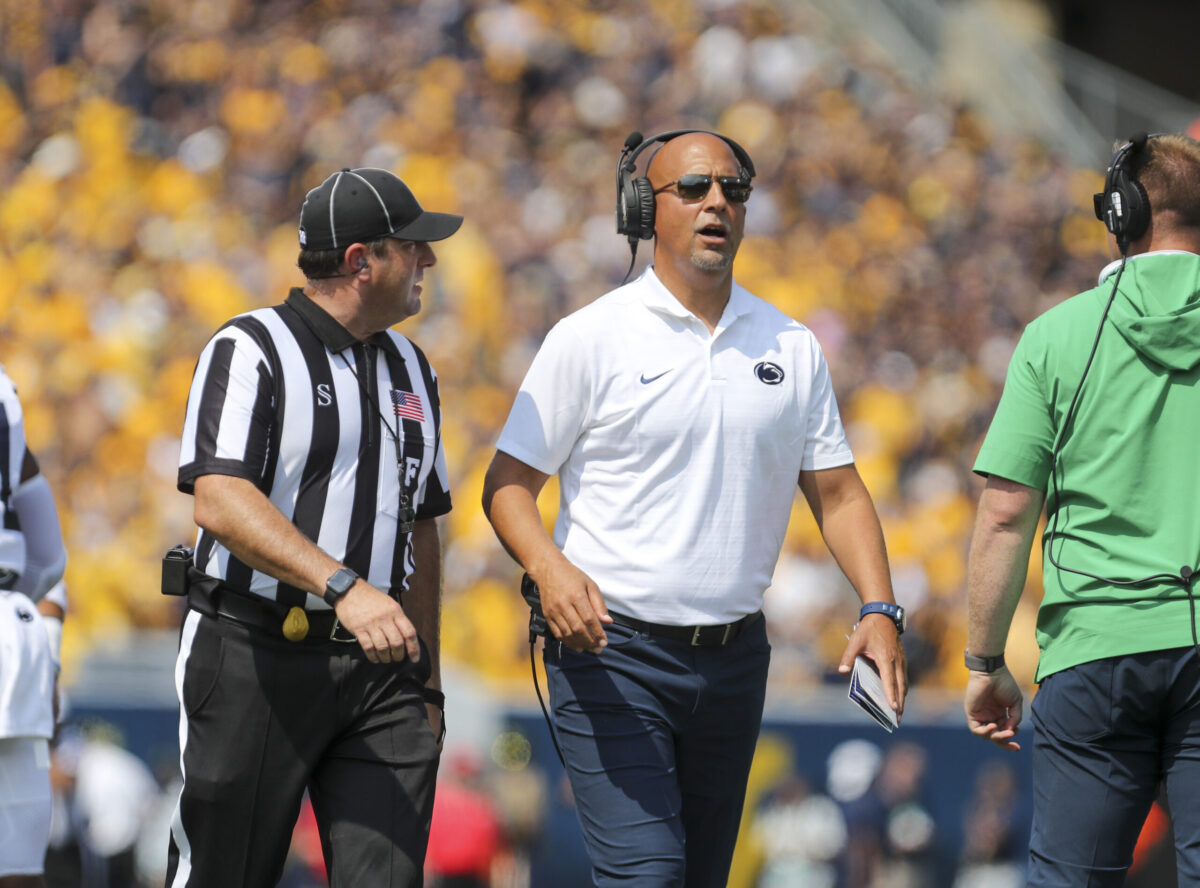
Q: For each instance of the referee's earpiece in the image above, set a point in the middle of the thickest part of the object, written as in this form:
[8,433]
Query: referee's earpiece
[362,264]
[1123,206]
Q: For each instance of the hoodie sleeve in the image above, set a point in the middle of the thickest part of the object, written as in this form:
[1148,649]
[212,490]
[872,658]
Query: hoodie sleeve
[1019,441]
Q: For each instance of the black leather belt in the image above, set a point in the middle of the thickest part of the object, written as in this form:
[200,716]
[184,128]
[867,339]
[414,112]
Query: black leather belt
[697,636]
[270,617]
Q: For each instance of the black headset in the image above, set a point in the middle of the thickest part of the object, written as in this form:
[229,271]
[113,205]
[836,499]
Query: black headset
[1123,206]
[635,195]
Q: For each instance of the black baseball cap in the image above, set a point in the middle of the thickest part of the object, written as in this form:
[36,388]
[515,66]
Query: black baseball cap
[356,206]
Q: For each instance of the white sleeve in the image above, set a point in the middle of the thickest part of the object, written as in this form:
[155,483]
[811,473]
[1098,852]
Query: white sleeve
[825,446]
[552,405]
[45,555]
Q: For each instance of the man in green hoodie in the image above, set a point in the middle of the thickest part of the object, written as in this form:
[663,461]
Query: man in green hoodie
[1100,421]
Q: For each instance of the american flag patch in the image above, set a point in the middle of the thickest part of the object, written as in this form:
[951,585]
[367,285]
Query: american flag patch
[408,405]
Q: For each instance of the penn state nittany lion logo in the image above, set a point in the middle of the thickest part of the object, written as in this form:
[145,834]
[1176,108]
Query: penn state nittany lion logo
[771,374]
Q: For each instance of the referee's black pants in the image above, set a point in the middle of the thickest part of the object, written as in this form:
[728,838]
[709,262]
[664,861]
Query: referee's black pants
[262,718]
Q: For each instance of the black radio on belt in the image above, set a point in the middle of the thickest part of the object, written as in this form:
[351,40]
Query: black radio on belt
[175,566]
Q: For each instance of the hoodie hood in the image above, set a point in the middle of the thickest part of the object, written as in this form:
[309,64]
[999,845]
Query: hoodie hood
[1157,308]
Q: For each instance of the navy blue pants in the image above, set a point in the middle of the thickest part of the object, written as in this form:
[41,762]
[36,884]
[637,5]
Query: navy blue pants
[1106,734]
[658,737]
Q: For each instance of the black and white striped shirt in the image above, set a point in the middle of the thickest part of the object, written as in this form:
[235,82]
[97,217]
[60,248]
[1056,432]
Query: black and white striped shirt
[288,399]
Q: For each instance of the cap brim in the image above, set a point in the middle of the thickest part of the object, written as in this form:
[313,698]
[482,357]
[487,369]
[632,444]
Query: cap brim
[429,227]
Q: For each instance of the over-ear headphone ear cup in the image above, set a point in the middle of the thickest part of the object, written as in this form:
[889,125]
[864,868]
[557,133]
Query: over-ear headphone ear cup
[1127,207]
[627,205]
[644,201]
[1137,217]
[1124,205]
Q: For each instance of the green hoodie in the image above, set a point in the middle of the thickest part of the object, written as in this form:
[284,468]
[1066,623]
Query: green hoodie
[1128,492]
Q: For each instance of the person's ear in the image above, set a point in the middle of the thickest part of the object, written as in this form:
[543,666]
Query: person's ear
[356,259]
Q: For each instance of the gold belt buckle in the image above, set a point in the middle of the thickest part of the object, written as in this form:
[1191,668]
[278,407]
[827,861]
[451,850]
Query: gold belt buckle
[295,624]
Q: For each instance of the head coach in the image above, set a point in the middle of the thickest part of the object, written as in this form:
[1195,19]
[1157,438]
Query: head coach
[680,413]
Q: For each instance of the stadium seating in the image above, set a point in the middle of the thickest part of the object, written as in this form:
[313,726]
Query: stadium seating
[154,156]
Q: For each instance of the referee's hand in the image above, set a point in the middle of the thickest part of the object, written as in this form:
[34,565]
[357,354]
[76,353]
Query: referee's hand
[379,623]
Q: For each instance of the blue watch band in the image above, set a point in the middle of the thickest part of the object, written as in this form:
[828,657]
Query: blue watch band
[892,611]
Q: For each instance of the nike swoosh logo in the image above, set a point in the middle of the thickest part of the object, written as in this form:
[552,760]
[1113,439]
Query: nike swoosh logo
[652,378]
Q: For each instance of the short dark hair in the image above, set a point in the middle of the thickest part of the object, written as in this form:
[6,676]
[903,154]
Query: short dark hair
[1169,170]
[319,264]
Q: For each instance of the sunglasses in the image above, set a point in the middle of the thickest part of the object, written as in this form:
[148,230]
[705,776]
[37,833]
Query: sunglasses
[694,186]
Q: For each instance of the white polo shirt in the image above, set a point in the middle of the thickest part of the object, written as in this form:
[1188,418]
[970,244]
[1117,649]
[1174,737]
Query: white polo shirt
[678,452]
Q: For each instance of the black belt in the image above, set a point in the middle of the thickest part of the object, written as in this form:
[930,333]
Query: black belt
[697,636]
[271,616]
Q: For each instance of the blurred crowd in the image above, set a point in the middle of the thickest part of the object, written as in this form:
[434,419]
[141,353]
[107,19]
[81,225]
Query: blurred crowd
[870,823]
[154,155]
[862,815]
[858,814]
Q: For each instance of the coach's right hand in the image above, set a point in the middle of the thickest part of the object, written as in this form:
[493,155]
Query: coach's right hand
[379,623]
[574,608]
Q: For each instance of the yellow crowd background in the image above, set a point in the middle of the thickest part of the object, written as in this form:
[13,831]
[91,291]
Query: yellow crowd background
[154,155]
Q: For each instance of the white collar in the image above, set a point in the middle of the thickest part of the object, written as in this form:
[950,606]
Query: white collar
[1111,269]
[657,297]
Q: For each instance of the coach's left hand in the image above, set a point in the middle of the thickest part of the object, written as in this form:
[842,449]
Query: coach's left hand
[875,637]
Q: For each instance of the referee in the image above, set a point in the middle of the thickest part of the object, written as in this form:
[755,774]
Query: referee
[308,658]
